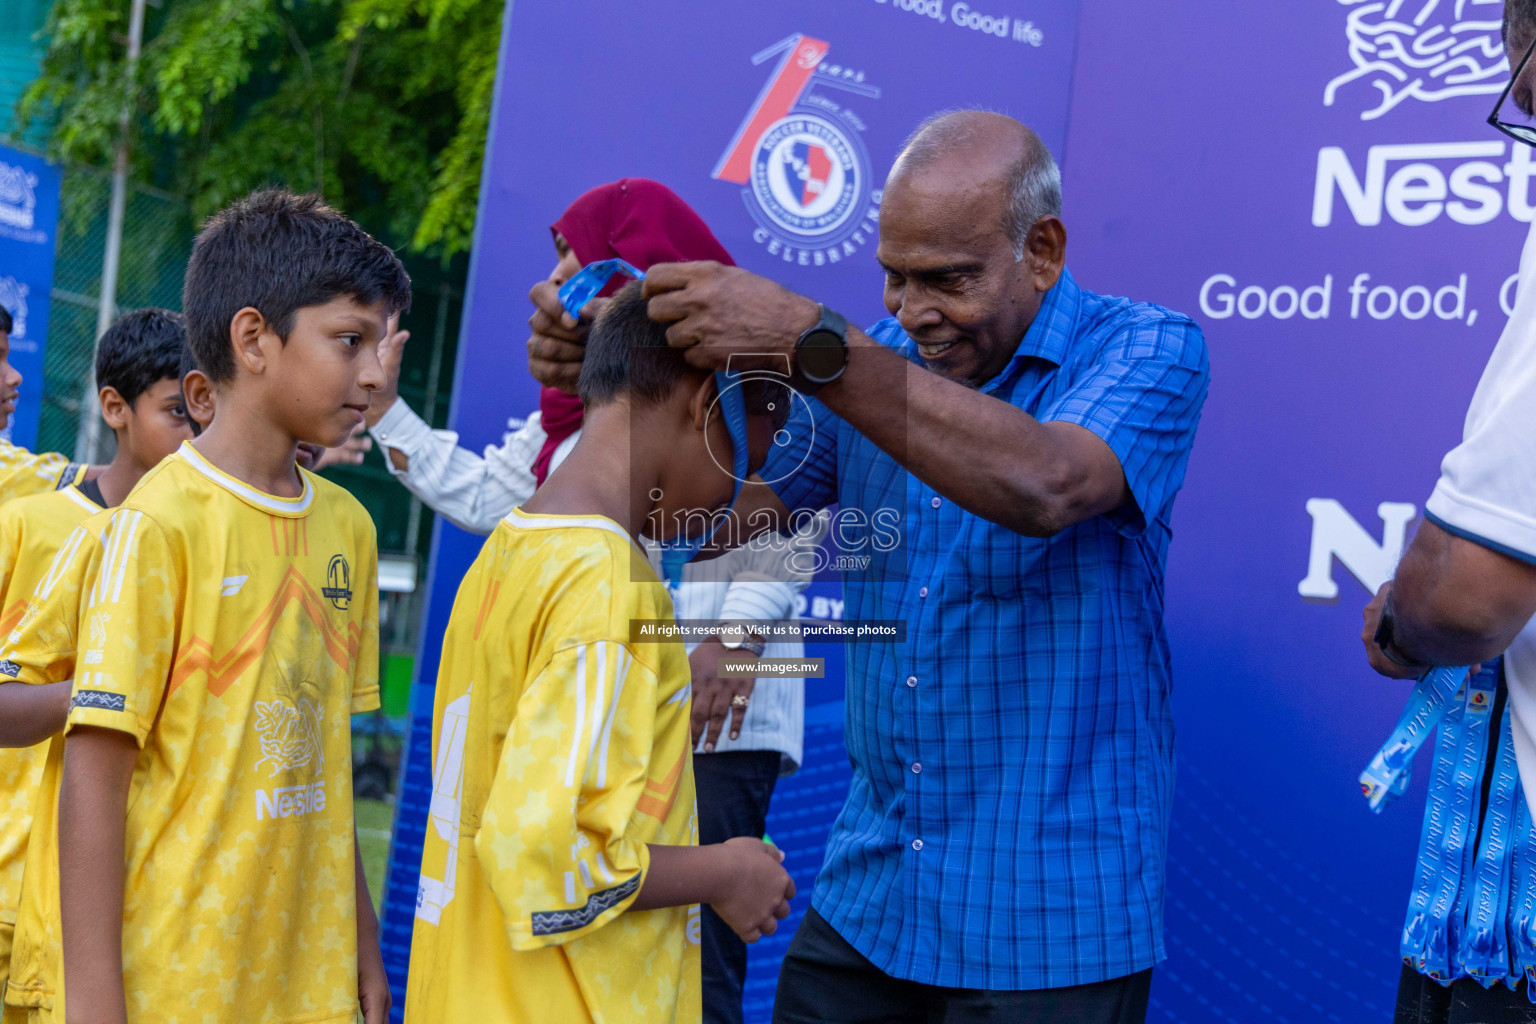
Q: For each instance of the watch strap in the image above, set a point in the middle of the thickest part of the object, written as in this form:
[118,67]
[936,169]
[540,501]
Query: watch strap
[1386,636]
[829,322]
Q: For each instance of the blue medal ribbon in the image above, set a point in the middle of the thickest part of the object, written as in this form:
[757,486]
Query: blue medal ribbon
[1472,910]
[1426,943]
[1483,950]
[584,285]
[1522,907]
[1470,754]
[1386,777]
[679,551]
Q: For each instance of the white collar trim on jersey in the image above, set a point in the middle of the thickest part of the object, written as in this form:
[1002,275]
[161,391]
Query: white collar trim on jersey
[261,499]
[81,500]
[523,521]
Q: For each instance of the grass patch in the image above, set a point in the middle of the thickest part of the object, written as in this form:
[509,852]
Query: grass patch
[375,819]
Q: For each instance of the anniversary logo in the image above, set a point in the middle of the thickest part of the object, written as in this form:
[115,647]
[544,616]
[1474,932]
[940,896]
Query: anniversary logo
[800,155]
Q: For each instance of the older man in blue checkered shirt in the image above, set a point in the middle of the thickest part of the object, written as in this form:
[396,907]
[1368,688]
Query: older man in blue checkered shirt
[1001,853]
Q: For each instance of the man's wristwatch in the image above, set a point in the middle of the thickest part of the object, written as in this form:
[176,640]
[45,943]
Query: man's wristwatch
[1386,635]
[737,638]
[821,354]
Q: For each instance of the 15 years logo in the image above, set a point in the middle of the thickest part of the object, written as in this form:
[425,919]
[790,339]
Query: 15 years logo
[801,159]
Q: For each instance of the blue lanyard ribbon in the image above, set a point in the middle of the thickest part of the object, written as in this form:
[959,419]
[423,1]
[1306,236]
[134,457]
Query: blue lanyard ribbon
[1468,740]
[1522,909]
[679,551]
[1483,949]
[1386,777]
[1426,944]
[584,285]
[1472,910]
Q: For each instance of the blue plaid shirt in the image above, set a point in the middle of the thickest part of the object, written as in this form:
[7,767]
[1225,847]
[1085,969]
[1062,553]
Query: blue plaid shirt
[1007,823]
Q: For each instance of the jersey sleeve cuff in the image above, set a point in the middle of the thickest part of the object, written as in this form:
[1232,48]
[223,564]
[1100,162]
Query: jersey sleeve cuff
[1494,528]
[558,926]
[14,671]
[365,700]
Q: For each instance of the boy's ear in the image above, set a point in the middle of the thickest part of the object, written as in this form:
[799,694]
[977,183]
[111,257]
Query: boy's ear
[197,393]
[701,401]
[113,408]
[245,331]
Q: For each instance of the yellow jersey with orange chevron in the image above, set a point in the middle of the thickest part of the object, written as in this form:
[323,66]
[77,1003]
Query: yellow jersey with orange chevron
[231,633]
[560,750]
[31,532]
[23,472]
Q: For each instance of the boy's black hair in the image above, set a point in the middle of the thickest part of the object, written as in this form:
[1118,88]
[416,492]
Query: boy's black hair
[141,349]
[627,354]
[5,321]
[279,252]
[188,362]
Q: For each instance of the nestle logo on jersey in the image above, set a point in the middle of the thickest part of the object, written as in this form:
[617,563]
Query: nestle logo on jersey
[1417,184]
[290,801]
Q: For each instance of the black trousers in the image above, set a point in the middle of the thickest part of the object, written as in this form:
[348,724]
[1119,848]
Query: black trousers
[734,788]
[1421,1001]
[825,980]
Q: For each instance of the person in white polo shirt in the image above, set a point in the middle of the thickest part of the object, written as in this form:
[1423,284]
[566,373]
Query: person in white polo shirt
[1465,590]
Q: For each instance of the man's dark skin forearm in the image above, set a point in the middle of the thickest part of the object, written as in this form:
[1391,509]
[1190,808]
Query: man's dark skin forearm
[991,458]
[1454,602]
[1033,478]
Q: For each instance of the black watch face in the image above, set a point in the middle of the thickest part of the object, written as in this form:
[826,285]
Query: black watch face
[822,356]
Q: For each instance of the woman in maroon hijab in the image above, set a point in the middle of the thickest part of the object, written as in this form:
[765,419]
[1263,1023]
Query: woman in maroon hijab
[645,223]
[634,219]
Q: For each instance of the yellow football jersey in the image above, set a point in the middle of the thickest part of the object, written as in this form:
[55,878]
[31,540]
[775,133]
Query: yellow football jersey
[31,531]
[231,633]
[23,472]
[560,749]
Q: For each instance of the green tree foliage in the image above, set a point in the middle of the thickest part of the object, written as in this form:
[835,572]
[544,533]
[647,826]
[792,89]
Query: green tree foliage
[382,105]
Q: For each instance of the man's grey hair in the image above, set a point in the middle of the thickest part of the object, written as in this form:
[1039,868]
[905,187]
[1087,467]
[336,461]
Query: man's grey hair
[1033,181]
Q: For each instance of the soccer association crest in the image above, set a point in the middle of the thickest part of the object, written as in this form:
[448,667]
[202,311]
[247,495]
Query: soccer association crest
[805,176]
[801,159]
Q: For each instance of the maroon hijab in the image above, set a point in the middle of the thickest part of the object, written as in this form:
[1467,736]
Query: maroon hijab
[634,219]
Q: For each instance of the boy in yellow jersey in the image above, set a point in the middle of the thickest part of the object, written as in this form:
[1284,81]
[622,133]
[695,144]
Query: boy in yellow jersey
[205,851]
[560,872]
[138,364]
[21,471]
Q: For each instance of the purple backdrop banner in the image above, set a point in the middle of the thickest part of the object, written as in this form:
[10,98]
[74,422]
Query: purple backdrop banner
[1315,184]
[1312,181]
[777,122]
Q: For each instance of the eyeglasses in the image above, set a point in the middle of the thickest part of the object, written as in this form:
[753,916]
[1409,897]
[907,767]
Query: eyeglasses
[1522,132]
